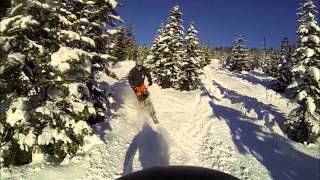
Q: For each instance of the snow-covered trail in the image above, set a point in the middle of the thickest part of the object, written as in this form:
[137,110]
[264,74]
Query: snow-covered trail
[135,142]
[255,116]
[233,123]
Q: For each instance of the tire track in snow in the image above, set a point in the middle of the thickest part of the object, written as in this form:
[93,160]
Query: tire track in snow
[180,123]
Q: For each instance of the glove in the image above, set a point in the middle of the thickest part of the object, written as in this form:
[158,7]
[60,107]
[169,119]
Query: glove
[150,83]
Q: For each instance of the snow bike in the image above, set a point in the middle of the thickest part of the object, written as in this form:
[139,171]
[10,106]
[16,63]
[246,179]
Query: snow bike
[143,97]
[149,106]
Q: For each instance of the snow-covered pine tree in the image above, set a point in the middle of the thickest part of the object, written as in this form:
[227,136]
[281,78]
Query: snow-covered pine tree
[156,51]
[207,55]
[239,60]
[251,61]
[132,46]
[256,58]
[303,123]
[48,92]
[20,58]
[120,50]
[190,70]
[124,45]
[228,62]
[168,67]
[144,52]
[284,77]
[272,63]
[224,55]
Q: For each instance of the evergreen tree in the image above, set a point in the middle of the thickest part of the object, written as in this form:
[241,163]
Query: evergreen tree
[207,55]
[285,76]
[256,59]
[171,52]
[191,65]
[132,47]
[47,76]
[144,52]
[239,60]
[272,63]
[228,62]
[120,48]
[303,123]
[156,51]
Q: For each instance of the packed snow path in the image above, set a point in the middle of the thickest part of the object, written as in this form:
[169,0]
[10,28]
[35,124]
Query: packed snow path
[233,123]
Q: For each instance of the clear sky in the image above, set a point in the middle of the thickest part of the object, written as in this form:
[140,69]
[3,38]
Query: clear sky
[219,22]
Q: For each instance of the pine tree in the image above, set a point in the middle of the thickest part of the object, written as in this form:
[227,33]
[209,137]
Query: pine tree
[207,55]
[170,52]
[191,65]
[47,67]
[156,51]
[285,76]
[120,48]
[272,63]
[239,60]
[132,47]
[144,52]
[256,59]
[303,123]
[228,62]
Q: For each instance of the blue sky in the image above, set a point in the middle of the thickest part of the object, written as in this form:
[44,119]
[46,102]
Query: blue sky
[219,22]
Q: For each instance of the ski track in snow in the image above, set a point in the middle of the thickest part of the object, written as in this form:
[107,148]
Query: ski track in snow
[233,123]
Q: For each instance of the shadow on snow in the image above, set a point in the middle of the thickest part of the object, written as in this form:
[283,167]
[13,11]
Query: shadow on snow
[102,129]
[121,90]
[152,147]
[267,112]
[278,156]
[256,78]
[273,151]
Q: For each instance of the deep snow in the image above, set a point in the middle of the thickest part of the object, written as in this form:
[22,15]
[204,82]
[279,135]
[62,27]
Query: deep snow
[233,123]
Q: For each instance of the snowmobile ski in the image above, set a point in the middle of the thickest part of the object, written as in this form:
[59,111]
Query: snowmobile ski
[150,109]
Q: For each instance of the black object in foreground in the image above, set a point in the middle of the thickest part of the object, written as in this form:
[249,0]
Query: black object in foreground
[178,173]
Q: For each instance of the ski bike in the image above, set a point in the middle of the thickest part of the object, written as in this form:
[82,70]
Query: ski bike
[144,98]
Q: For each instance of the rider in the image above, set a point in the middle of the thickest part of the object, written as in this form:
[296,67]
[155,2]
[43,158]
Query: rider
[136,80]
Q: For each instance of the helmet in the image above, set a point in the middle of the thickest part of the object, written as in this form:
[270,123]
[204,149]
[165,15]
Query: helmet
[139,64]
